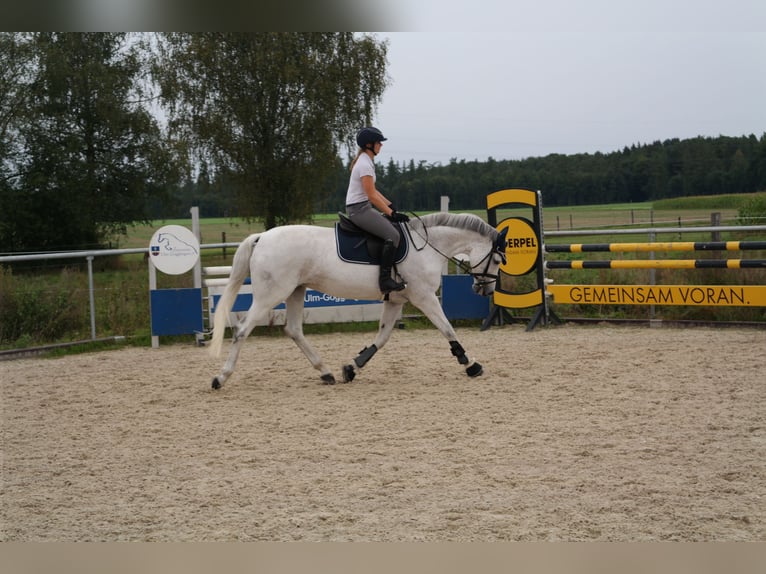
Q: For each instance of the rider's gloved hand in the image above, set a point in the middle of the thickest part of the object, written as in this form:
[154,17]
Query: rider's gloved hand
[397,217]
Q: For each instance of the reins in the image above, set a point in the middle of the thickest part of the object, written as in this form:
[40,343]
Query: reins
[459,263]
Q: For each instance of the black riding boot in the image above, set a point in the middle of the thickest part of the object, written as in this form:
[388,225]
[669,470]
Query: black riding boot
[387,284]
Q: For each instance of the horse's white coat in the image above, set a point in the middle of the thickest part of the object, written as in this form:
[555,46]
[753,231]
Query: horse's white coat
[282,262]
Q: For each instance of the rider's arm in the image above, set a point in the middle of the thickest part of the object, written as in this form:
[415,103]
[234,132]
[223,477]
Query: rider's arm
[375,197]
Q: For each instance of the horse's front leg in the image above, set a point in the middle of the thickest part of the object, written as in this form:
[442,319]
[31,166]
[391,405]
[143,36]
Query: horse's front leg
[432,309]
[388,318]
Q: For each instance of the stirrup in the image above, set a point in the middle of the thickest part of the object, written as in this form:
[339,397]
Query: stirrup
[389,285]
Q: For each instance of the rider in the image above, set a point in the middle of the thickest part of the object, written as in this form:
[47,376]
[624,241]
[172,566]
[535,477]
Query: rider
[362,195]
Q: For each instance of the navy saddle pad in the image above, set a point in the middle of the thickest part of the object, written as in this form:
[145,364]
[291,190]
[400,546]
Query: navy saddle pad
[357,246]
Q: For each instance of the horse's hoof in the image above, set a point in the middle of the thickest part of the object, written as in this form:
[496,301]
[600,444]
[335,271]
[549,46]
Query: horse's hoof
[216,383]
[348,373]
[328,379]
[474,370]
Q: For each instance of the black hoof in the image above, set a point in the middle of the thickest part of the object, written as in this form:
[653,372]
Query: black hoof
[348,373]
[328,379]
[216,383]
[474,370]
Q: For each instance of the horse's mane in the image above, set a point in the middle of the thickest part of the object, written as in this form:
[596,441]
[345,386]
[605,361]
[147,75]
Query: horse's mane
[466,221]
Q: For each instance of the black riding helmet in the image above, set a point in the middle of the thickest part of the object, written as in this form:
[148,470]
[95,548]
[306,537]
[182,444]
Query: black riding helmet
[369,135]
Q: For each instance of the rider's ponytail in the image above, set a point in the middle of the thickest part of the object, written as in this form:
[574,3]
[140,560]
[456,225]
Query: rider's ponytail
[353,163]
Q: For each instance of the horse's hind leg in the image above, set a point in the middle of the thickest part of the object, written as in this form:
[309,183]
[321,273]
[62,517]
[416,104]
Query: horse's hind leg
[241,332]
[387,319]
[294,330]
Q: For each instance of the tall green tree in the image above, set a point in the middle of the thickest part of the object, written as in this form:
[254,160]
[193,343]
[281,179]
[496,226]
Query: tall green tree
[14,66]
[14,63]
[271,110]
[90,155]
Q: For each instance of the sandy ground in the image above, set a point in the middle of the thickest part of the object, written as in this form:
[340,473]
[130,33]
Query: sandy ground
[573,433]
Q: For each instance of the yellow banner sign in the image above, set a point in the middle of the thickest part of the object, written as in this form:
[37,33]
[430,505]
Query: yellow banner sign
[701,295]
[521,248]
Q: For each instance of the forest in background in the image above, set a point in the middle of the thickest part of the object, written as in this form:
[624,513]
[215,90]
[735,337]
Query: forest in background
[637,173]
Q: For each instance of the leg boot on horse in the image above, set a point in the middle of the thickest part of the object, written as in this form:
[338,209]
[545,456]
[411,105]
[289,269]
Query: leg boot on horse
[386,282]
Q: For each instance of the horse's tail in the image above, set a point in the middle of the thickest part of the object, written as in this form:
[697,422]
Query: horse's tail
[240,269]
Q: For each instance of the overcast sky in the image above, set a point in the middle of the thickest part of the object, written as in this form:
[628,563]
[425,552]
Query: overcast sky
[510,80]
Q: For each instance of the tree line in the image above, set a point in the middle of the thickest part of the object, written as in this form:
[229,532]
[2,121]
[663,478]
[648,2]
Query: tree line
[638,173]
[641,172]
[101,130]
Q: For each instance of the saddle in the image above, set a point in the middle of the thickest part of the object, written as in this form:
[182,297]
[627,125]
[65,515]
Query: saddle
[355,245]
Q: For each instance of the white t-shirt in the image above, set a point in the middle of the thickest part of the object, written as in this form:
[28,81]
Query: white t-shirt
[363,166]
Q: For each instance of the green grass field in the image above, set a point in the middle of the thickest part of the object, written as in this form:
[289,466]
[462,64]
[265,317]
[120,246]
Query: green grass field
[214,230]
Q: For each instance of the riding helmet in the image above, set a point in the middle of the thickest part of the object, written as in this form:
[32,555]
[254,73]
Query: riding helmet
[369,135]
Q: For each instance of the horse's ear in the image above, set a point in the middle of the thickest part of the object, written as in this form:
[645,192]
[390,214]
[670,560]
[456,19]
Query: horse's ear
[500,242]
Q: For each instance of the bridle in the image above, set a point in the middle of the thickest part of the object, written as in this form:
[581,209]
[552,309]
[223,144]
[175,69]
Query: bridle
[482,278]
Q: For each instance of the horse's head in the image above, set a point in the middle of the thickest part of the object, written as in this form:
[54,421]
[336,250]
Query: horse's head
[485,262]
[466,233]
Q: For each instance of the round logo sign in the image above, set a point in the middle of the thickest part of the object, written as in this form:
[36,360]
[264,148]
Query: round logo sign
[521,248]
[174,249]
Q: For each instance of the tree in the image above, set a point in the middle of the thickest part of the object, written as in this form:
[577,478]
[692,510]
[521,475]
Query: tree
[273,109]
[91,155]
[14,59]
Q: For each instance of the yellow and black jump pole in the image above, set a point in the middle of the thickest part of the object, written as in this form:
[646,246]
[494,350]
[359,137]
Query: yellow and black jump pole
[524,256]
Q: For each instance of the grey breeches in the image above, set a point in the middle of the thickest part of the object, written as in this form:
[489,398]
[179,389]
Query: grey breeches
[370,219]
